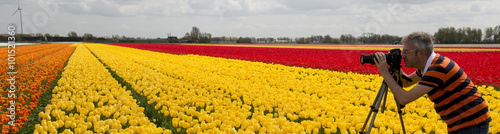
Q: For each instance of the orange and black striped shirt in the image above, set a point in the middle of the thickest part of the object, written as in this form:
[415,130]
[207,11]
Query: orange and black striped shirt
[455,97]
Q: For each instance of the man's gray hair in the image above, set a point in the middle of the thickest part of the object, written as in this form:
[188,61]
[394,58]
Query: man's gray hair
[421,40]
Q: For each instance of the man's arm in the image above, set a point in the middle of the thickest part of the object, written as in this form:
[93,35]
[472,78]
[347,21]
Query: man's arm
[404,97]
[413,77]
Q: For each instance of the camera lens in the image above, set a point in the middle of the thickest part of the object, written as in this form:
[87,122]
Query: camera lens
[367,58]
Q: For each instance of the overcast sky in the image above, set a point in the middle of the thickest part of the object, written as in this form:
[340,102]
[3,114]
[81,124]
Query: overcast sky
[254,18]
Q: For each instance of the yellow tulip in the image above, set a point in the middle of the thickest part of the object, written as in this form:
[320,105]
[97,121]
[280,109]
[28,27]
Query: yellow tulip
[67,124]
[167,131]
[52,130]
[344,131]
[67,131]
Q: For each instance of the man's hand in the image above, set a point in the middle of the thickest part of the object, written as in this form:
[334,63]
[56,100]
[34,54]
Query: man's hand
[381,63]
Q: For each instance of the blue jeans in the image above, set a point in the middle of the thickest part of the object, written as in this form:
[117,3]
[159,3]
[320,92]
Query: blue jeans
[476,129]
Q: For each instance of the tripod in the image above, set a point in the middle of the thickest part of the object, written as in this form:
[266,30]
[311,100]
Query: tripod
[382,93]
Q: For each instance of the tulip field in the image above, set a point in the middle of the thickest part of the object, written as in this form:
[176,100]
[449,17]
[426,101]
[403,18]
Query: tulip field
[37,68]
[217,88]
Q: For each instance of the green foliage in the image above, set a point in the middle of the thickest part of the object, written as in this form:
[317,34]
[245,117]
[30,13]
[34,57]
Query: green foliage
[244,40]
[467,35]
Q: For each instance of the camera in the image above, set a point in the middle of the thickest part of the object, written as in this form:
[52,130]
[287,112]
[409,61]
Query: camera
[392,58]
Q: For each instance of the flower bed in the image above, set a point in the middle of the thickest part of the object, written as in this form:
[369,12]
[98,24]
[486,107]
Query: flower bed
[207,94]
[88,99]
[37,66]
[480,64]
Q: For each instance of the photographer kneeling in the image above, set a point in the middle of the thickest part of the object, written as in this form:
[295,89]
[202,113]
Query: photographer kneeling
[455,97]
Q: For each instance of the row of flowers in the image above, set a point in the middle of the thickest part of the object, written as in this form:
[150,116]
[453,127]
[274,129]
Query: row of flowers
[357,46]
[87,99]
[480,63]
[27,53]
[208,94]
[37,67]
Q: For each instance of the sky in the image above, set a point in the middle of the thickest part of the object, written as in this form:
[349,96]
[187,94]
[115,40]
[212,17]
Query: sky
[247,18]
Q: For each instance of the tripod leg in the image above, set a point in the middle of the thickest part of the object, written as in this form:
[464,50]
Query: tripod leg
[366,121]
[400,115]
[374,107]
[383,105]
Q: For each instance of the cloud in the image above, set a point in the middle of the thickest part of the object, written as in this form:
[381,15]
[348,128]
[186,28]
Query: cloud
[260,18]
[10,3]
[416,1]
[224,8]
[92,7]
[125,26]
[314,5]
[126,2]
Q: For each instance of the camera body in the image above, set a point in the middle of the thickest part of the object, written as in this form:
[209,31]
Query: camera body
[392,58]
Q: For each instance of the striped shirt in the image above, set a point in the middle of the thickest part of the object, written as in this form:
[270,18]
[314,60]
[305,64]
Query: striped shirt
[455,97]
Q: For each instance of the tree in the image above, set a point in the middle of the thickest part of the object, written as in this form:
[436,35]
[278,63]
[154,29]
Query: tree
[244,40]
[475,35]
[224,39]
[115,36]
[488,35]
[369,38]
[336,40]
[47,35]
[462,36]
[205,38]
[72,34]
[186,37]
[446,36]
[389,38]
[88,36]
[271,40]
[302,40]
[347,38]
[328,39]
[316,39]
[38,35]
[195,35]
[496,34]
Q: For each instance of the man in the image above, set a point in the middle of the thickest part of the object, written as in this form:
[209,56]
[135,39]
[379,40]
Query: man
[455,98]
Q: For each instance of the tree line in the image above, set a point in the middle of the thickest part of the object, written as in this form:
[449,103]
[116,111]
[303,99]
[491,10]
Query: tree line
[467,35]
[447,35]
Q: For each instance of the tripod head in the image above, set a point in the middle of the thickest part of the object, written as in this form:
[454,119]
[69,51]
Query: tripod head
[395,63]
[395,71]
